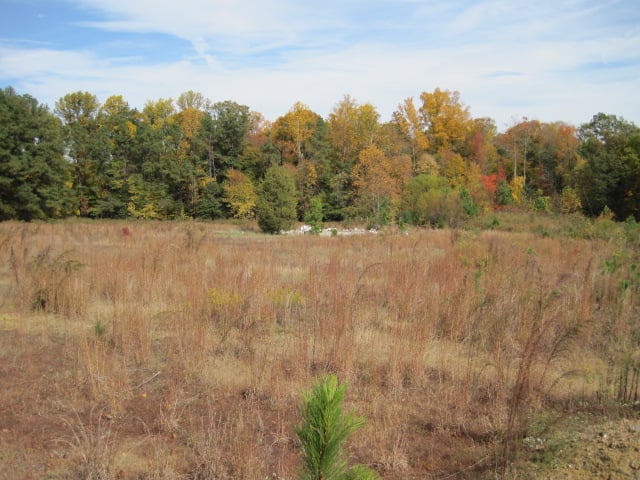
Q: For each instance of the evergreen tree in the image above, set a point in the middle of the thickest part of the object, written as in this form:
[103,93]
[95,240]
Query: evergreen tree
[323,431]
[33,171]
[277,201]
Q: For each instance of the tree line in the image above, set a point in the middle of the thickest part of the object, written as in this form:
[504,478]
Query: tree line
[432,163]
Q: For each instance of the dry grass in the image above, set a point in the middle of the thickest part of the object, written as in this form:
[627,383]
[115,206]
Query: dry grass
[180,350]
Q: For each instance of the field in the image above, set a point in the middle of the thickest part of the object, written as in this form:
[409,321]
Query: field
[180,349]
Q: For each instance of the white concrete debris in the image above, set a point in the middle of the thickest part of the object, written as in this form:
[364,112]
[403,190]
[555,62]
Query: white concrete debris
[327,232]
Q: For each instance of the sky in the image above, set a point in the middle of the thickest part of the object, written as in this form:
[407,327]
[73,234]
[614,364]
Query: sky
[560,60]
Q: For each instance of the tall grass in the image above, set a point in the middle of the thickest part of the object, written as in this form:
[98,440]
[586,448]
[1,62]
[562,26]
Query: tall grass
[449,341]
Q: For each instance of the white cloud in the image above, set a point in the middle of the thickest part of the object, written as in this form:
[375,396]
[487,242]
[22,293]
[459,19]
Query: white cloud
[507,59]
[209,24]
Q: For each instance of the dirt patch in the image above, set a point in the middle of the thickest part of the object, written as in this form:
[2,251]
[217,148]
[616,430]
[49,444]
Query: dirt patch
[583,445]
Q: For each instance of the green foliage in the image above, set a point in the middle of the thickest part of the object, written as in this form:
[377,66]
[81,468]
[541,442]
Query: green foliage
[540,203]
[323,430]
[210,205]
[504,195]
[276,202]
[429,200]
[382,215]
[610,175]
[612,264]
[222,136]
[314,215]
[113,161]
[34,177]
[99,328]
[470,207]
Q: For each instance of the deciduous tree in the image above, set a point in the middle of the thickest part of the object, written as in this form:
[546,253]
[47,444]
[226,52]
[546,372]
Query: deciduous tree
[87,147]
[292,132]
[410,125]
[378,182]
[445,119]
[610,176]
[352,127]
[239,194]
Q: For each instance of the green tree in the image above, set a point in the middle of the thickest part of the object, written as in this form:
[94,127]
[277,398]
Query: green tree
[504,194]
[277,201]
[323,431]
[430,200]
[569,201]
[314,215]
[86,146]
[34,176]
[223,133]
[118,125]
[610,176]
[153,189]
[469,206]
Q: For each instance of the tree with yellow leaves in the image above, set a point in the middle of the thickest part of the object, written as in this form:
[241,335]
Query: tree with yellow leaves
[292,131]
[445,120]
[352,127]
[407,118]
[378,181]
[239,194]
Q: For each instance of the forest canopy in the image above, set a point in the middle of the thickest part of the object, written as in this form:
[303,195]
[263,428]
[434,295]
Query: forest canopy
[432,163]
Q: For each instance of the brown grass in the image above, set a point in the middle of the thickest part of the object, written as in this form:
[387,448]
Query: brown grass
[179,350]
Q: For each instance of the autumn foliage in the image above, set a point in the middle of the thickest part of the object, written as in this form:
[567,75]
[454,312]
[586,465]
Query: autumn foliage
[195,158]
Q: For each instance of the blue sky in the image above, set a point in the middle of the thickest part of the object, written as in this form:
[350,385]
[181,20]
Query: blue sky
[546,60]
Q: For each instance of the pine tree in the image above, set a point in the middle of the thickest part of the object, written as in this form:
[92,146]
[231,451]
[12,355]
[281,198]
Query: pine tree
[277,200]
[34,175]
[323,430]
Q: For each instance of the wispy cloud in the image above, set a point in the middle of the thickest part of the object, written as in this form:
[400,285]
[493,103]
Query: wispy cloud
[547,60]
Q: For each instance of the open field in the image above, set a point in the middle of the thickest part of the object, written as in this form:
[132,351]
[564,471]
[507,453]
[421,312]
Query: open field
[180,349]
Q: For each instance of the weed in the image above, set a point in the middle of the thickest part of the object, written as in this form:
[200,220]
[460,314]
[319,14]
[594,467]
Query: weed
[99,328]
[93,446]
